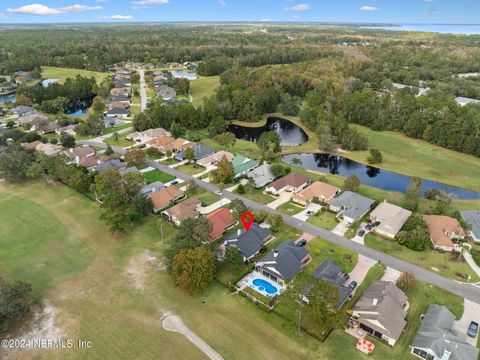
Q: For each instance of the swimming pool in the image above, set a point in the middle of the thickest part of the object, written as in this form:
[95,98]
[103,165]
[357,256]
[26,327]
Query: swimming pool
[265,286]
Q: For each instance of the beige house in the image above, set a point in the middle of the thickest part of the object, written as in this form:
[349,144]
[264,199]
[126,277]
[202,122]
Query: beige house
[322,191]
[381,311]
[443,231]
[391,218]
[147,135]
[292,182]
[215,158]
[182,211]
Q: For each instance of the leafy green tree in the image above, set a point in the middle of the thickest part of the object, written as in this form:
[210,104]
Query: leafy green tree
[233,256]
[277,170]
[268,137]
[406,281]
[217,126]
[224,172]
[375,157]
[226,139]
[176,130]
[98,105]
[415,235]
[15,299]
[190,155]
[352,183]
[412,195]
[193,269]
[289,105]
[68,141]
[135,157]
[275,222]
[14,163]
[238,208]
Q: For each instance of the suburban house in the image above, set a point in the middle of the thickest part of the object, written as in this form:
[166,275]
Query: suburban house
[22,110]
[165,92]
[178,144]
[47,149]
[249,242]
[69,130]
[462,101]
[391,218]
[184,210]
[292,182]
[90,162]
[221,220]
[121,99]
[472,218]
[110,122]
[352,205]
[160,142]
[329,271]
[213,159]
[261,175]
[242,165]
[117,112]
[31,117]
[45,127]
[443,231]
[119,105]
[321,191]
[381,311]
[74,154]
[107,165]
[283,263]
[437,340]
[165,197]
[117,92]
[201,151]
[149,189]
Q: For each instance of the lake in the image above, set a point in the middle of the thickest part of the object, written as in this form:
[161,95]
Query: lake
[369,175]
[184,74]
[78,107]
[7,98]
[468,29]
[290,134]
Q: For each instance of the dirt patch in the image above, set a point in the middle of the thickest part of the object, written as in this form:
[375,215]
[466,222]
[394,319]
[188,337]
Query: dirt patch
[139,266]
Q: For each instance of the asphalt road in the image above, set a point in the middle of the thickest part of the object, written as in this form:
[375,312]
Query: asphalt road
[468,291]
[143,90]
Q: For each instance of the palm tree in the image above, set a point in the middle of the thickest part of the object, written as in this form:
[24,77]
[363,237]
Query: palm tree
[462,249]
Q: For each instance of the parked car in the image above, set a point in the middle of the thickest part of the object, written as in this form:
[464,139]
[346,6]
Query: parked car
[472,329]
[309,213]
[174,182]
[345,277]
[218,192]
[353,285]
[301,243]
[361,232]
[348,225]
[368,227]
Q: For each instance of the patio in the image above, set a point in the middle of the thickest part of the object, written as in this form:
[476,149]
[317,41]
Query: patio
[362,344]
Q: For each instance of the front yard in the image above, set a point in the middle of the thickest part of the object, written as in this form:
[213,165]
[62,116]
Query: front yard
[191,169]
[290,208]
[256,195]
[157,175]
[324,219]
[206,197]
[445,264]
[121,141]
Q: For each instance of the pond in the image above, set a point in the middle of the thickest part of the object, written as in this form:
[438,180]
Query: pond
[7,98]
[184,74]
[290,134]
[48,82]
[369,175]
[78,107]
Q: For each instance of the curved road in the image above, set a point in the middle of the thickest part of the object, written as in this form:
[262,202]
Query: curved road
[468,291]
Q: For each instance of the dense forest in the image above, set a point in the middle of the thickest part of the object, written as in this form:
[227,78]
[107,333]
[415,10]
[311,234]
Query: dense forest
[329,76]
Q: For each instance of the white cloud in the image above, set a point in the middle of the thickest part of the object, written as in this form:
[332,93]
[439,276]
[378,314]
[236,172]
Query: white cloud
[222,2]
[150,2]
[368,8]
[299,7]
[39,9]
[265,20]
[116,17]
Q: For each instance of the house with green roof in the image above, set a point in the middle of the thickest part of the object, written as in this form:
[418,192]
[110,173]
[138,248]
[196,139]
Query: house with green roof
[242,165]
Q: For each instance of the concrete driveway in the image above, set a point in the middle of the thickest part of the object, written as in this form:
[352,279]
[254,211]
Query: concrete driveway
[341,228]
[302,215]
[361,269]
[391,275]
[471,312]
[282,199]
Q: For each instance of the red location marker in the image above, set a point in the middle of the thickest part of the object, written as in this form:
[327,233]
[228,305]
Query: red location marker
[247,219]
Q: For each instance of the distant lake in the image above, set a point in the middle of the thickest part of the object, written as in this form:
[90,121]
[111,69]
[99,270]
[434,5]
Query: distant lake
[468,29]
[290,134]
[184,74]
[7,98]
[48,82]
[369,175]
[78,107]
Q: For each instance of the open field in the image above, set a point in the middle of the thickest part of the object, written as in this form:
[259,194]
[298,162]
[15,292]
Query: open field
[447,264]
[419,158]
[51,72]
[203,87]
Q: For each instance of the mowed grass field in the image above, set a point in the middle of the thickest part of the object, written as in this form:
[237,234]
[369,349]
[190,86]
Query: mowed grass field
[203,87]
[418,158]
[51,72]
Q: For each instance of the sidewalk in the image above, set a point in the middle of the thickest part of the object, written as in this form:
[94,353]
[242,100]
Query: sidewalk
[469,259]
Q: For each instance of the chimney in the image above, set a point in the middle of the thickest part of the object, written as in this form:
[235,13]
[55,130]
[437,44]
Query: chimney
[375,301]
[275,253]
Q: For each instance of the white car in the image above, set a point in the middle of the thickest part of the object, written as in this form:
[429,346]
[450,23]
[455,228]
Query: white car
[218,192]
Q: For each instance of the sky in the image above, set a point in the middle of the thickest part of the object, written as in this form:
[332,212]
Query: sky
[358,11]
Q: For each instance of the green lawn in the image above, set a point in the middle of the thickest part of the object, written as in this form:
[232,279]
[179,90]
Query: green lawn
[321,250]
[419,158]
[206,197]
[203,87]
[51,72]
[191,169]
[257,195]
[447,264]
[121,142]
[241,147]
[324,219]
[170,161]
[157,175]
[290,209]
[111,130]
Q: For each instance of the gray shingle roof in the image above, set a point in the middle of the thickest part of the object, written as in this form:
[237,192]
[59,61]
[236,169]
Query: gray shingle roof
[249,242]
[472,217]
[285,261]
[112,164]
[261,175]
[331,272]
[355,205]
[435,333]
[201,151]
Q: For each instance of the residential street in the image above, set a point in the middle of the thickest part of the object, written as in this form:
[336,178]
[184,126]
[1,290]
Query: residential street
[143,91]
[468,291]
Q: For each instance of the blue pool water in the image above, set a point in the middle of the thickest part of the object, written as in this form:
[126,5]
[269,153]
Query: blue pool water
[264,285]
